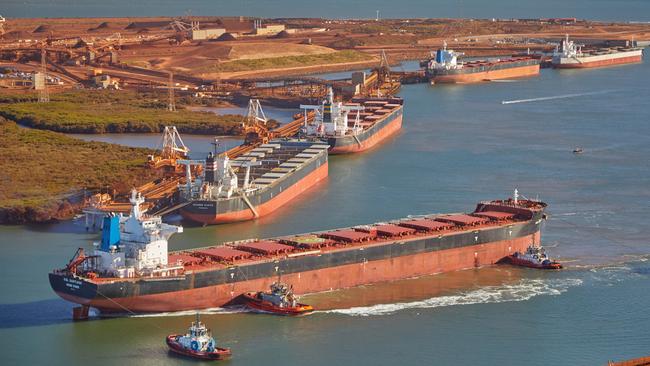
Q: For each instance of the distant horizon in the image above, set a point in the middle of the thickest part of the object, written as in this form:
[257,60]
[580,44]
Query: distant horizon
[333,18]
[594,10]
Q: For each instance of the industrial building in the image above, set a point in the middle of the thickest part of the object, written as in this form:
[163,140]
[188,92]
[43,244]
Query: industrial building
[203,34]
[268,30]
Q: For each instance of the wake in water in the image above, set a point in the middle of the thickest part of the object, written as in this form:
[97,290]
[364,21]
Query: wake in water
[521,291]
[564,96]
[211,311]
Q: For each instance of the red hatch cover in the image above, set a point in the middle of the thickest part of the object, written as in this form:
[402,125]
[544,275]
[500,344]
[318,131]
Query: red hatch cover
[462,219]
[224,253]
[393,230]
[495,215]
[185,259]
[349,236]
[425,225]
[266,247]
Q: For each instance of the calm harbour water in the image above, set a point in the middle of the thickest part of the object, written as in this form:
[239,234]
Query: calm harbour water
[636,10]
[459,145]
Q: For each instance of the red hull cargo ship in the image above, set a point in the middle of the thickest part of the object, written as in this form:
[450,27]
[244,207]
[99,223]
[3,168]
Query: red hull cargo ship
[445,68]
[255,183]
[374,120]
[572,56]
[334,259]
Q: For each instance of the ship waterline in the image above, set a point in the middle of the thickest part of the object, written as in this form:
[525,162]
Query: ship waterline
[356,126]
[571,55]
[446,68]
[488,74]
[440,244]
[368,139]
[256,183]
[601,61]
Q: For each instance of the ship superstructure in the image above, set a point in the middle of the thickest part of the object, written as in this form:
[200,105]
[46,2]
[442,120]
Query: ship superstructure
[573,55]
[131,246]
[318,261]
[445,59]
[355,126]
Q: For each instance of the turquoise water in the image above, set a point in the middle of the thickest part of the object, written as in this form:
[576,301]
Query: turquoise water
[636,10]
[459,144]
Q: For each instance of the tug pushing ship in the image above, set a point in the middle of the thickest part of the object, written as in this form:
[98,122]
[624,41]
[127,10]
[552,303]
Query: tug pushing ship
[280,300]
[533,257]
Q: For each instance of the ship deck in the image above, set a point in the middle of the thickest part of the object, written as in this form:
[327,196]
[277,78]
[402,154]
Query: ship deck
[484,63]
[493,214]
[374,110]
[254,251]
[272,161]
[608,51]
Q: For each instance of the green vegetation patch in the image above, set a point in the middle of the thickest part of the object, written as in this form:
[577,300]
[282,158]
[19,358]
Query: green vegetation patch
[43,170]
[293,61]
[102,111]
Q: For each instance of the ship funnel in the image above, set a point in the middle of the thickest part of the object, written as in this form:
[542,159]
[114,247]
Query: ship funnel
[110,232]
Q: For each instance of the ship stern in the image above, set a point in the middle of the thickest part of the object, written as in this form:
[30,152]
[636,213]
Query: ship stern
[73,289]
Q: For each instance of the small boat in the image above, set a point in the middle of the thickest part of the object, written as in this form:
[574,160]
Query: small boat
[280,300]
[578,150]
[534,257]
[197,343]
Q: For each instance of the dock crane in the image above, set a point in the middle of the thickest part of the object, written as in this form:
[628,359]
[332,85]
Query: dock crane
[254,124]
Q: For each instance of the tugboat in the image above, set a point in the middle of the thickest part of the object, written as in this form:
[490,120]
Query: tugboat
[534,257]
[197,343]
[280,300]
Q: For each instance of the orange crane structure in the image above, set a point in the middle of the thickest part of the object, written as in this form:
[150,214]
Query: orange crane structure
[173,158]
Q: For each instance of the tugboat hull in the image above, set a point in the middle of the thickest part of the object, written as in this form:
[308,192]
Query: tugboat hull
[524,263]
[217,354]
[255,303]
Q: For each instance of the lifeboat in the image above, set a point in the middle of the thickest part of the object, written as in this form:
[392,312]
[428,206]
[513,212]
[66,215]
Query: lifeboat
[534,257]
[280,300]
[198,343]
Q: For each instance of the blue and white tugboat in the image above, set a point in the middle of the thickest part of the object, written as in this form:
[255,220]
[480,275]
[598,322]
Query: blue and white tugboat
[197,343]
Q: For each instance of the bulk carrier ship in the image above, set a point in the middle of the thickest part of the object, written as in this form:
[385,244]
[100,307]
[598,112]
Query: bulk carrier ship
[375,119]
[445,68]
[135,272]
[254,184]
[571,56]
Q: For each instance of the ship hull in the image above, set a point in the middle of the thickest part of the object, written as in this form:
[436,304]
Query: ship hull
[485,74]
[308,274]
[598,61]
[368,138]
[237,209]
